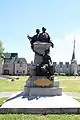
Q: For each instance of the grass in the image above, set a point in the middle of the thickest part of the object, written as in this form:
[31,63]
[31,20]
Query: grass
[39,117]
[78,99]
[17,85]
[2,100]
[69,83]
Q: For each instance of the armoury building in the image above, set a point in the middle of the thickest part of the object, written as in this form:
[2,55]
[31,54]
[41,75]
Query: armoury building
[12,65]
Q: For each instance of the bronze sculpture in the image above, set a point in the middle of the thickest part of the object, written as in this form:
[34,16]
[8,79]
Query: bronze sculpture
[45,68]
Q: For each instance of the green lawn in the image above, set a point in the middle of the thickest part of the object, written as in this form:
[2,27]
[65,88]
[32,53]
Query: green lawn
[2,100]
[78,99]
[17,85]
[69,83]
[39,117]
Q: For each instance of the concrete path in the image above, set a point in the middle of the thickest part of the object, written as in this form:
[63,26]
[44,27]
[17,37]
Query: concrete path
[73,94]
[8,94]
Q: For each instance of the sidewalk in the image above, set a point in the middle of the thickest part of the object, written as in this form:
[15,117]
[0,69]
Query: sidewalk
[73,94]
[8,94]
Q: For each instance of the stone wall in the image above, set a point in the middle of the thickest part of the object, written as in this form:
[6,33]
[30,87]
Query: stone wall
[8,66]
[20,66]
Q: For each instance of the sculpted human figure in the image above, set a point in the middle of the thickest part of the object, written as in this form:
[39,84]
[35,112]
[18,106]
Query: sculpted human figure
[44,37]
[46,67]
[47,58]
[34,38]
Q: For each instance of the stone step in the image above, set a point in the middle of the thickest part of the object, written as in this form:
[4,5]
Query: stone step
[36,91]
[40,105]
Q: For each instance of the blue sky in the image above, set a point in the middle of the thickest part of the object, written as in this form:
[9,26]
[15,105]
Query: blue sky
[21,17]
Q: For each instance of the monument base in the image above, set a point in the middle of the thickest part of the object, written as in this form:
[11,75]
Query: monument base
[36,91]
[33,79]
[42,86]
[40,104]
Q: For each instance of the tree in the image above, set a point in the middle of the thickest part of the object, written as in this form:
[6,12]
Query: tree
[1,50]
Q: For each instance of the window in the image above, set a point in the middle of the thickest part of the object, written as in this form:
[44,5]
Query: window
[17,71]
[67,64]
[61,64]
[23,71]
[20,64]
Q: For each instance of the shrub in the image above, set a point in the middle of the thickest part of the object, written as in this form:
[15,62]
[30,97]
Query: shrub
[62,74]
[56,73]
[67,74]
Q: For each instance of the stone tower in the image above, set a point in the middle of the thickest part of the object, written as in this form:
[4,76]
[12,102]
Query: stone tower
[73,70]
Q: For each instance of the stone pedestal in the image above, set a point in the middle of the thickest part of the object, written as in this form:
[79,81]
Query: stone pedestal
[32,89]
[41,85]
[40,48]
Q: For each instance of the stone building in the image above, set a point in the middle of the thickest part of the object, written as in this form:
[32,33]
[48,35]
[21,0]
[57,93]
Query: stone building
[29,65]
[62,68]
[9,63]
[68,69]
[1,68]
[20,66]
[78,69]
[14,65]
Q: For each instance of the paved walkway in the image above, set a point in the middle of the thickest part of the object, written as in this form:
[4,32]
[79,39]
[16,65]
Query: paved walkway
[73,94]
[8,94]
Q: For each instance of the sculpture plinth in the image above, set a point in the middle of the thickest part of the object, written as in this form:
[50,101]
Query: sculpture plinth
[39,82]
